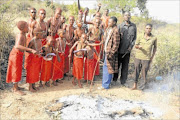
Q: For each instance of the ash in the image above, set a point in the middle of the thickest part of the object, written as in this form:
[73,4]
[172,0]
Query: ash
[90,107]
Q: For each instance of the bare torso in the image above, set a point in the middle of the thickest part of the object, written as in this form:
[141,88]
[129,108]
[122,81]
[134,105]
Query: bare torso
[79,47]
[69,33]
[60,45]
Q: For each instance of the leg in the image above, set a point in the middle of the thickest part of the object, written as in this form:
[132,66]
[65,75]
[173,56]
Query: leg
[137,64]
[43,84]
[54,83]
[16,90]
[106,77]
[79,83]
[59,81]
[73,81]
[115,77]
[34,86]
[124,68]
[31,89]
[145,68]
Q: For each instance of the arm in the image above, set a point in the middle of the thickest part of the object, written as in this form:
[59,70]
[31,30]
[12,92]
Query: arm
[133,39]
[70,52]
[95,44]
[137,44]
[32,25]
[99,7]
[86,22]
[19,45]
[116,41]
[154,50]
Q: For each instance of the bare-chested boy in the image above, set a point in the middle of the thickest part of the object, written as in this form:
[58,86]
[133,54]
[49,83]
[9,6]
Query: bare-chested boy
[95,35]
[47,64]
[78,59]
[79,31]
[15,62]
[32,12]
[58,67]
[69,34]
[41,24]
[54,23]
[34,62]
[32,19]
[89,63]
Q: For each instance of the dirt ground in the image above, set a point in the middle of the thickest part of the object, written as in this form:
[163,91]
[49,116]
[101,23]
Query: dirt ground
[32,105]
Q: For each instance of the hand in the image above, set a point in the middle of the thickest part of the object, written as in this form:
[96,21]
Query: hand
[99,5]
[86,12]
[34,51]
[140,47]
[151,60]
[98,59]
[129,49]
[64,27]
[109,56]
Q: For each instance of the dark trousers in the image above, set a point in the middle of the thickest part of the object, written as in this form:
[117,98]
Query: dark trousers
[123,62]
[141,65]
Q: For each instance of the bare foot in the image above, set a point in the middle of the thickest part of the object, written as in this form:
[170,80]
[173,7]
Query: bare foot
[40,85]
[32,90]
[47,84]
[43,86]
[134,88]
[20,88]
[80,85]
[19,92]
[36,88]
[73,83]
[55,83]
[60,81]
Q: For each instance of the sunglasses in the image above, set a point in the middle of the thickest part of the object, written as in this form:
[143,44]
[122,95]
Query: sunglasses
[33,12]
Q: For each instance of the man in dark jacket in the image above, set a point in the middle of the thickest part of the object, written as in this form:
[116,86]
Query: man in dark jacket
[127,31]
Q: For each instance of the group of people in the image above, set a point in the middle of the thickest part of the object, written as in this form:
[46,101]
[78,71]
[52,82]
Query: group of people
[51,47]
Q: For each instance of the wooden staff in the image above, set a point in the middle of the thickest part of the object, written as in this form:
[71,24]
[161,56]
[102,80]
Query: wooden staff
[95,68]
[79,7]
[52,18]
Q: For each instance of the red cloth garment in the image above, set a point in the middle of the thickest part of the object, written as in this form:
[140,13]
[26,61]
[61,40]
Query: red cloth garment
[33,68]
[56,36]
[66,59]
[15,63]
[95,60]
[78,68]
[28,39]
[44,41]
[58,67]
[46,70]
[89,69]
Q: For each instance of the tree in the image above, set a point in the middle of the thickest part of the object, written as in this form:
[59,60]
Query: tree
[125,5]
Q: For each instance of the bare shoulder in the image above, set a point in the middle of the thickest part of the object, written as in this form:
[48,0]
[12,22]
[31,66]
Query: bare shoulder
[76,42]
[20,37]
[33,23]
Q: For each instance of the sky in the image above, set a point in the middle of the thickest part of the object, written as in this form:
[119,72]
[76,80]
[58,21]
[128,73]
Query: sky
[165,10]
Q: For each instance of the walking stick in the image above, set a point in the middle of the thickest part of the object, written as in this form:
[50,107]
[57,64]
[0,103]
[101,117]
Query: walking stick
[95,68]
[69,67]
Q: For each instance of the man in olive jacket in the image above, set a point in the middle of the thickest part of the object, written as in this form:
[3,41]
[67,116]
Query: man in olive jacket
[111,44]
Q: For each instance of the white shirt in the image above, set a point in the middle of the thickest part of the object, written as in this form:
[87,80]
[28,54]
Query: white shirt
[107,39]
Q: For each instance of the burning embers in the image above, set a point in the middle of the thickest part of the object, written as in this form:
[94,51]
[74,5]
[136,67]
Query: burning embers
[89,107]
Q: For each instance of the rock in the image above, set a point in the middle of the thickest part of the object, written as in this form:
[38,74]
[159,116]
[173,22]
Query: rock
[7,105]
[137,111]
[55,107]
